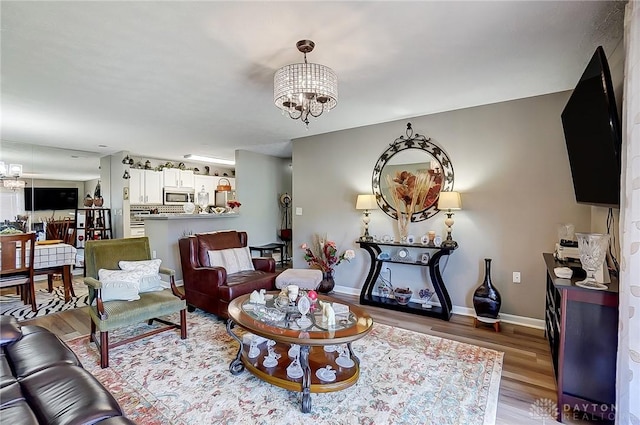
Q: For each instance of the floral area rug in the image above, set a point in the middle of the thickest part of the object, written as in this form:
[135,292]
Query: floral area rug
[47,303]
[405,378]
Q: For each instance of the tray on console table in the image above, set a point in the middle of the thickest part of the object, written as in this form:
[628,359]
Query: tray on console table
[366,294]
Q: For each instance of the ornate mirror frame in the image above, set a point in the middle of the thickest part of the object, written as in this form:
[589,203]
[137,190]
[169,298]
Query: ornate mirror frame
[420,143]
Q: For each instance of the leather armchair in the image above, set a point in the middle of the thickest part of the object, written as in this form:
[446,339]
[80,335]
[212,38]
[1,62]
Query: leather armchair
[210,288]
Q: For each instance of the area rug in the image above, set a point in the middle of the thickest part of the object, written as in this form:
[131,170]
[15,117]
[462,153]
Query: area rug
[47,303]
[406,378]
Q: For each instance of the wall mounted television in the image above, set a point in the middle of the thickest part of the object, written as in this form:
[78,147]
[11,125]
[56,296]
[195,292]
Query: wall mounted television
[593,137]
[50,198]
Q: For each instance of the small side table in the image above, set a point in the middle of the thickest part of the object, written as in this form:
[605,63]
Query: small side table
[270,247]
[495,323]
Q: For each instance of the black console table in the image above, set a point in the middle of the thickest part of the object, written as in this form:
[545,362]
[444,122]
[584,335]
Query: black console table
[366,295]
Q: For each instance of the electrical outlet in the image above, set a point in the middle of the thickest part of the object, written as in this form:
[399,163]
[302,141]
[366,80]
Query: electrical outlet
[516,277]
[153,254]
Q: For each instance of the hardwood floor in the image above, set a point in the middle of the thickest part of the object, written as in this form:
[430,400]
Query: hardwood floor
[527,374]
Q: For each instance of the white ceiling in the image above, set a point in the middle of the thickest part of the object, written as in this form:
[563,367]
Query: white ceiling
[164,79]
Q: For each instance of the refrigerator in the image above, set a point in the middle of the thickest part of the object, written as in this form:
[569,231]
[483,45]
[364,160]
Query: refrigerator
[222,197]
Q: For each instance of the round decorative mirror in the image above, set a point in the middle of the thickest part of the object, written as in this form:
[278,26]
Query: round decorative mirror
[409,176]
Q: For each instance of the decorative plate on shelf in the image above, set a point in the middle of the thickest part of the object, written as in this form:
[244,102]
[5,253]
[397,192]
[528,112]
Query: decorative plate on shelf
[384,256]
[189,207]
[402,255]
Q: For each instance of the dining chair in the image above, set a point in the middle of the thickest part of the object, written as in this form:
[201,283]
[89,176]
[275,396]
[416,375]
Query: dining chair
[16,265]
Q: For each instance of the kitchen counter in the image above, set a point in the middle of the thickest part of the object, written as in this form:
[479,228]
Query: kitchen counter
[164,230]
[185,216]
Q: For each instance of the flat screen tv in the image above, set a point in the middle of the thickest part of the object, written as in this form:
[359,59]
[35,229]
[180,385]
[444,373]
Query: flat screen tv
[50,198]
[592,134]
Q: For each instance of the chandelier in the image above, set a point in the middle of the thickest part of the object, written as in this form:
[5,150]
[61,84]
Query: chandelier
[10,176]
[305,89]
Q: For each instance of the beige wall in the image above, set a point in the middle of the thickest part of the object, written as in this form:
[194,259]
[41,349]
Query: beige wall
[511,167]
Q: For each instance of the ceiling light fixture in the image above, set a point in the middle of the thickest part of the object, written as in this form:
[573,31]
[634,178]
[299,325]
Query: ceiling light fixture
[303,89]
[209,159]
[10,176]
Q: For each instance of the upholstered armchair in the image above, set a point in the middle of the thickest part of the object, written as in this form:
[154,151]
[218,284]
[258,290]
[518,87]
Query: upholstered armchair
[128,304]
[212,285]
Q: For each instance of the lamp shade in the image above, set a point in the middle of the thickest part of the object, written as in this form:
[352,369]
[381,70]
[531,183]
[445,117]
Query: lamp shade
[449,201]
[366,202]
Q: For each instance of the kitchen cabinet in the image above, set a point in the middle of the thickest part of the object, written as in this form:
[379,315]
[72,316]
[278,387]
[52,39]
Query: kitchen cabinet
[175,177]
[209,183]
[145,186]
[136,231]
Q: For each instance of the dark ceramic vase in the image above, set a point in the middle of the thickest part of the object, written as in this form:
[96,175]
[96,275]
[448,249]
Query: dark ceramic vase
[327,283]
[486,299]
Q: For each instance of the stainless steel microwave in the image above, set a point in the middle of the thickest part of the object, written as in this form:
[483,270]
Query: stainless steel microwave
[178,197]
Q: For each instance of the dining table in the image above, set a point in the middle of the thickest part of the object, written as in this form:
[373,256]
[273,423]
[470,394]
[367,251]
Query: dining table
[55,258]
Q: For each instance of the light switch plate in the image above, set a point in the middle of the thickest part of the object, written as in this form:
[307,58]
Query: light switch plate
[298,211]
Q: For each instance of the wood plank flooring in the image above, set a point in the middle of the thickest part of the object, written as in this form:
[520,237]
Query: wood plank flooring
[527,373]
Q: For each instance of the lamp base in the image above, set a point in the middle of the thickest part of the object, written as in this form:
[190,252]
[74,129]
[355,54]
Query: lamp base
[449,243]
[366,238]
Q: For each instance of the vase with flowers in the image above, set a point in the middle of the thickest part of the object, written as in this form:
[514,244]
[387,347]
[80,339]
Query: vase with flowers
[323,255]
[234,205]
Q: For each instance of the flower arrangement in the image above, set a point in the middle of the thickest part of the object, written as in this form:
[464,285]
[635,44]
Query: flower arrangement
[408,190]
[323,255]
[233,204]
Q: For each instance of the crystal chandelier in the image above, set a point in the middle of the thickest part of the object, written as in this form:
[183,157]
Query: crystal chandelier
[305,89]
[10,176]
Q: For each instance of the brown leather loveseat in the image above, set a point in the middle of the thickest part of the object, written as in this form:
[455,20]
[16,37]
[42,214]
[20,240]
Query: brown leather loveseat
[43,382]
[209,287]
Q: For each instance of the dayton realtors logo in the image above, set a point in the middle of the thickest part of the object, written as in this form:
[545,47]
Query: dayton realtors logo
[544,409]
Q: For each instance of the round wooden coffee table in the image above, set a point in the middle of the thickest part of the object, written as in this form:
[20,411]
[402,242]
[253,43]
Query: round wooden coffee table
[322,348]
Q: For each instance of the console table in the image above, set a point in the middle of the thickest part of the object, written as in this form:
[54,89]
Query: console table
[366,295]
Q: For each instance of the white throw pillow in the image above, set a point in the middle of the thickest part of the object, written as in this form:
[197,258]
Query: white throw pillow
[234,260]
[119,285]
[150,280]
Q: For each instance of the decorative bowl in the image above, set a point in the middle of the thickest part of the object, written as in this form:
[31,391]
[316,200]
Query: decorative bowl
[402,295]
[270,314]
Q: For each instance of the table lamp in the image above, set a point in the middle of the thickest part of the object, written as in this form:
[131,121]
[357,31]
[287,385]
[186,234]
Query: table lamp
[366,202]
[449,201]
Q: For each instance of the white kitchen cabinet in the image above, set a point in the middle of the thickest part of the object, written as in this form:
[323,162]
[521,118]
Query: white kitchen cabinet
[145,186]
[209,183]
[136,231]
[175,177]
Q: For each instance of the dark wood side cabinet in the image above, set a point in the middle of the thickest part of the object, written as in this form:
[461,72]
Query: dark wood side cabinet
[582,329]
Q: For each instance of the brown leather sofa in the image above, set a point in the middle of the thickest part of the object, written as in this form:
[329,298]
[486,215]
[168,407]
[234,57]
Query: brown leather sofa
[211,288]
[43,382]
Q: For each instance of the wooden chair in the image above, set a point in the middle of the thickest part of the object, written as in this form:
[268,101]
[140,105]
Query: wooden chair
[16,267]
[110,315]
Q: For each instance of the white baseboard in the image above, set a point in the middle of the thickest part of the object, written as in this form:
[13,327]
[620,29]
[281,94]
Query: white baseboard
[466,311]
